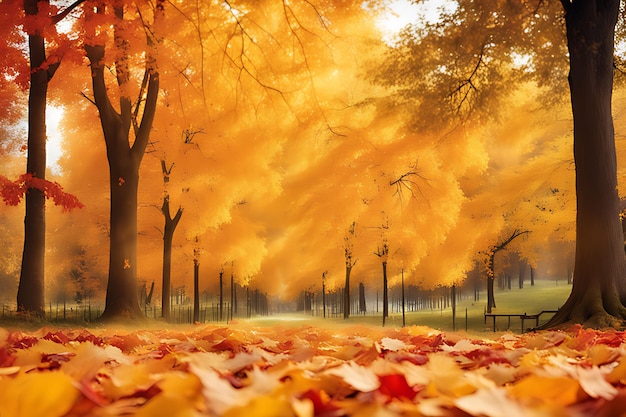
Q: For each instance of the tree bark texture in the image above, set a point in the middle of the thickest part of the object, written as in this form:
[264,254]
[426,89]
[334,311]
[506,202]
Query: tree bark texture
[168,237]
[599,267]
[30,293]
[124,161]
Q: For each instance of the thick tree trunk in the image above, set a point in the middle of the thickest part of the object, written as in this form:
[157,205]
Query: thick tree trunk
[124,156]
[121,297]
[362,302]
[30,293]
[599,266]
[166,280]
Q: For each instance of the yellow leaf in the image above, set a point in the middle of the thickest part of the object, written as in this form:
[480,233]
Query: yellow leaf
[167,405]
[601,354]
[36,394]
[126,380]
[559,390]
[183,385]
[618,374]
[265,406]
[446,377]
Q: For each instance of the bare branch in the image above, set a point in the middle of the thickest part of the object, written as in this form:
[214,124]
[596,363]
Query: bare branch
[505,242]
[189,135]
[406,181]
[88,98]
[467,86]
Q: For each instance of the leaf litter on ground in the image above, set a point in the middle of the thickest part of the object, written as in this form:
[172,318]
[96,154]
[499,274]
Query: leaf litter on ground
[217,370]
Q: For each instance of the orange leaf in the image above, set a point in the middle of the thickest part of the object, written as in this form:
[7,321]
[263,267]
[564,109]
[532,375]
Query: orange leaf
[35,394]
[562,391]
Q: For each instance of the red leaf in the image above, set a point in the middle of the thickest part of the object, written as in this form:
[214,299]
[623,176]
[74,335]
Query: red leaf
[57,337]
[322,404]
[486,357]
[19,340]
[6,357]
[56,359]
[85,336]
[427,343]
[395,386]
[12,192]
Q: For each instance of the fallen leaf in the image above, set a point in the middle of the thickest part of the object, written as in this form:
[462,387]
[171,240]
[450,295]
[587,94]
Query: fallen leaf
[561,391]
[356,376]
[36,394]
[491,402]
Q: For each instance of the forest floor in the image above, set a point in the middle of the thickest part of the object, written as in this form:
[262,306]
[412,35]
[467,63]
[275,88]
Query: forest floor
[303,366]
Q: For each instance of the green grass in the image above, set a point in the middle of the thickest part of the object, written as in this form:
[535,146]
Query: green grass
[544,295]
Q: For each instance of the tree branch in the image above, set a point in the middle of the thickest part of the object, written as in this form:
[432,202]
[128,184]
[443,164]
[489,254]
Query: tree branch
[60,16]
[503,244]
[405,181]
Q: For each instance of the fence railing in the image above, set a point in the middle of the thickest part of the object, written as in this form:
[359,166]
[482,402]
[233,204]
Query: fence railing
[180,314]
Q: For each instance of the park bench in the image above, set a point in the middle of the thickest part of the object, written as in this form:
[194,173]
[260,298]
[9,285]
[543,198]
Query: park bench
[523,317]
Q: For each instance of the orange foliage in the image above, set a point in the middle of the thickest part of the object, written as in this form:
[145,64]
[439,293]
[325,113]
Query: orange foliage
[307,371]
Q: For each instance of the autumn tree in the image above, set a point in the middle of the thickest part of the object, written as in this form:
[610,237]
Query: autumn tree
[490,264]
[465,65]
[599,288]
[168,236]
[126,133]
[45,51]
[383,253]
[351,260]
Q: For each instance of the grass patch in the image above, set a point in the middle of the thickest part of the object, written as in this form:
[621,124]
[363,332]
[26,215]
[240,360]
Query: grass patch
[544,295]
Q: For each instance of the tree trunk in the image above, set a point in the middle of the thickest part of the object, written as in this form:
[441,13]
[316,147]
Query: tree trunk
[324,294]
[403,302]
[599,267]
[121,297]
[168,237]
[124,157]
[385,294]
[491,299]
[196,291]
[453,297]
[362,302]
[221,306]
[346,294]
[232,295]
[30,293]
